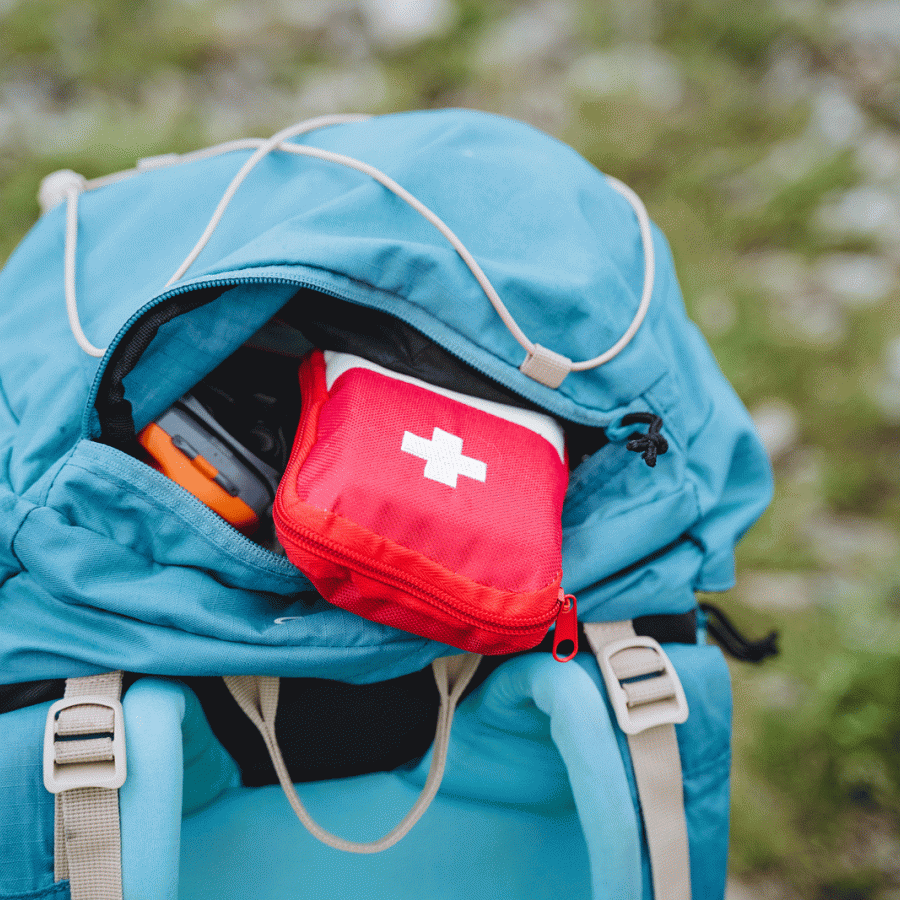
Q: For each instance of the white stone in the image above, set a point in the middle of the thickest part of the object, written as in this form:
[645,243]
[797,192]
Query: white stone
[776,591]
[836,116]
[802,308]
[887,397]
[801,12]
[780,273]
[399,23]
[778,690]
[865,210]
[778,427]
[816,319]
[342,90]
[870,207]
[875,22]
[790,160]
[536,33]
[892,359]
[166,96]
[788,79]
[886,391]
[846,541]
[642,69]
[716,314]
[879,156]
[736,890]
[857,279]
[310,15]
[6,126]
[543,105]
[240,22]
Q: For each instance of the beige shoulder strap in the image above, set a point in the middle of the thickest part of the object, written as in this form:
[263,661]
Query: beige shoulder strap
[648,700]
[84,765]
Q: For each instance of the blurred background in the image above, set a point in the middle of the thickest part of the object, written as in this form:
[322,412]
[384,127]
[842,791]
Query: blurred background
[764,138]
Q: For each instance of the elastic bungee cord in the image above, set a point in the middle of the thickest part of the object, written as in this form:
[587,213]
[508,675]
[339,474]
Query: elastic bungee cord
[67,186]
[543,365]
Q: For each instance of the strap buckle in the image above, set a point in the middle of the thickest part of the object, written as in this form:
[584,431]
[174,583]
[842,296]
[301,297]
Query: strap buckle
[96,756]
[642,684]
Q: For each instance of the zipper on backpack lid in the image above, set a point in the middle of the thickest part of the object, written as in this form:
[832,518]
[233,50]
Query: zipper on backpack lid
[455,348]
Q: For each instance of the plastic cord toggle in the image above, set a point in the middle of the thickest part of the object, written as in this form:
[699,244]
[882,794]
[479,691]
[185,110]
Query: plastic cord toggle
[57,186]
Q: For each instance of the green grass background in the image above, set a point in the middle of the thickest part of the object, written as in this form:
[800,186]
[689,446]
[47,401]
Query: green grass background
[765,140]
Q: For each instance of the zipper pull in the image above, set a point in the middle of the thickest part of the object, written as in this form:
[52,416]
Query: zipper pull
[566,632]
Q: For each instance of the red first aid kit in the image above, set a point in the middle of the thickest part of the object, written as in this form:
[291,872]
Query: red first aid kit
[426,509]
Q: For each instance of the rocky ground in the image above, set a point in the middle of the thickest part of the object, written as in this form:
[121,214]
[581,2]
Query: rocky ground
[765,140]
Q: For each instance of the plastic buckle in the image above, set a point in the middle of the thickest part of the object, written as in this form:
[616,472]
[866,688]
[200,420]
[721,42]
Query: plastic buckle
[638,717]
[104,773]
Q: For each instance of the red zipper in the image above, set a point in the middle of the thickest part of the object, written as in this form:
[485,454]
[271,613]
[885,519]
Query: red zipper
[566,627]
[398,579]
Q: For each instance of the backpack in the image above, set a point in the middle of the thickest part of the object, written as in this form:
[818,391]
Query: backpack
[483,258]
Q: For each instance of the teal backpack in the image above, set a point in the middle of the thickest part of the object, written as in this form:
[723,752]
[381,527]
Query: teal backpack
[460,247]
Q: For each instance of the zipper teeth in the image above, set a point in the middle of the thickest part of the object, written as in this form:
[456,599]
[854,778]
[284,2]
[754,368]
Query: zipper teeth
[213,516]
[168,295]
[300,283]
[432,597]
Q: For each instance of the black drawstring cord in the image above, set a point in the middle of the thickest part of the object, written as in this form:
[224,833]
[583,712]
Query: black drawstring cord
[723,631]
[651,444]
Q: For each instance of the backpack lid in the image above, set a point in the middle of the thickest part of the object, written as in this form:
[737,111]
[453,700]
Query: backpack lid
[562,248]
[548,230]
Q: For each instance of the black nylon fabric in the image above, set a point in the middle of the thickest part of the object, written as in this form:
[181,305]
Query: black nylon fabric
[328,729]
[29,693]
[113,410]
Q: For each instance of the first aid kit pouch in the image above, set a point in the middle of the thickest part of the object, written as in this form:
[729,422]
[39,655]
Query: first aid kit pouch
[423,508]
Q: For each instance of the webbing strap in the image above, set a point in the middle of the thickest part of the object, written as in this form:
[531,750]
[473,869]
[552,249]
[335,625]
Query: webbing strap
[654,750]
[257,696]
[87,841]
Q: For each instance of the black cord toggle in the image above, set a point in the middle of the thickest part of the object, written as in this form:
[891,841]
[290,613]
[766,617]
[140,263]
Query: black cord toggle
[724,632]
[651,444]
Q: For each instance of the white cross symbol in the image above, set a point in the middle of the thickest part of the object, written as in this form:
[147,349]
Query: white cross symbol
[443,454]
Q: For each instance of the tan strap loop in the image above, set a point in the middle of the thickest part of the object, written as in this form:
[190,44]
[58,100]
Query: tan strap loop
[258,697]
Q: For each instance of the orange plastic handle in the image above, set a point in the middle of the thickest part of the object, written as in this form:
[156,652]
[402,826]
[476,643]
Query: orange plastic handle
[196,475]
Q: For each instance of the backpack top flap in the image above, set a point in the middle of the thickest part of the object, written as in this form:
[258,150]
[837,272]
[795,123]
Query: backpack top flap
[112,567]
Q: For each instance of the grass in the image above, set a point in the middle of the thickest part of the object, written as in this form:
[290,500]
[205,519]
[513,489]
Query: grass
[817,773]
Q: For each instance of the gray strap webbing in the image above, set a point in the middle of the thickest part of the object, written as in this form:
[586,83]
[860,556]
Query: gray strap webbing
[647,709]
[258,697]
[84,748]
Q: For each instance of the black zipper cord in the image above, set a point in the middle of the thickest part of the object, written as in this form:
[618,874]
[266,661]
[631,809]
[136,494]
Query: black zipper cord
[114,411]
[724,632]
[651,444]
